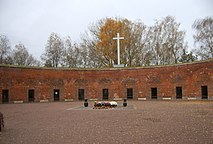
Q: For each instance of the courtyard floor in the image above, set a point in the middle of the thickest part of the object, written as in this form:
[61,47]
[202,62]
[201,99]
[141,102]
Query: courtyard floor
[140,122]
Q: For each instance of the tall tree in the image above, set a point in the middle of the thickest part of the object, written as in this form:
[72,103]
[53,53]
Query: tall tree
[134,33]
[106,46]
[72,54]
[52,57]
[162,43]
[167,41]
[93,58]
[21,56]
[204,37]
[5,50]
[102,34]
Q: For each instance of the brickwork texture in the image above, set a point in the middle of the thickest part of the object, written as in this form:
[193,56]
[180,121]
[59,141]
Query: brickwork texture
[184,81]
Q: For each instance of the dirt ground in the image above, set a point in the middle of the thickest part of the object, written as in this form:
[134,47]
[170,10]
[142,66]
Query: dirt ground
[181,122]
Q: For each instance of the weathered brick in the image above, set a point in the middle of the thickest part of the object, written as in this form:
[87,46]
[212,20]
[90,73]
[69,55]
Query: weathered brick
[18,80]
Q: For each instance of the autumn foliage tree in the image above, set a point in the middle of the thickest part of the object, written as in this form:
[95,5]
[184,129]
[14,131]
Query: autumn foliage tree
[158,44]
[162,43]
[106,48]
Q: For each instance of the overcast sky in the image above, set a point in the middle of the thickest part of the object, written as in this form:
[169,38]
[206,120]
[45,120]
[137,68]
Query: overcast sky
[31,21]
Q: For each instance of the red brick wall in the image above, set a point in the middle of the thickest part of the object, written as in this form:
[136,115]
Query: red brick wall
[190,77]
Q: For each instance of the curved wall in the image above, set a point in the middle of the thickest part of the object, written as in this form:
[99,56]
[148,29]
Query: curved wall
[184,81]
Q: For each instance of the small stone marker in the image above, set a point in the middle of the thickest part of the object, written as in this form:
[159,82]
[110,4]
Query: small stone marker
[85,103]
[125,103]
[1,120]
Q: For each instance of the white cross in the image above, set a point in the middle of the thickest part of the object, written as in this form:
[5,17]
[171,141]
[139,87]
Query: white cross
[118,38]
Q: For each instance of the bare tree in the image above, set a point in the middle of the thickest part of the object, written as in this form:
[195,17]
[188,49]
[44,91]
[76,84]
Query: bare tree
[72,54]
[167,41]
[92,58]
[52,57]
[5,50]
[21,56]
[204,37]
[134,43]
[162,43]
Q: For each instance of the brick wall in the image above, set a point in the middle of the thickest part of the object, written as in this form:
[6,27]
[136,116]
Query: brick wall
[189,77]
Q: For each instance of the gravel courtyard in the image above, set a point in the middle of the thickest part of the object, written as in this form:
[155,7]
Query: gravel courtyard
[141,122]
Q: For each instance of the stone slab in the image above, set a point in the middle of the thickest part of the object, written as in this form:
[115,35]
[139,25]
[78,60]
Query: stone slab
[18,102]
[117,99]
[95,99]
[192,98]
[141,99]
[166,98]
[44,101]
[68,100]
[91,107]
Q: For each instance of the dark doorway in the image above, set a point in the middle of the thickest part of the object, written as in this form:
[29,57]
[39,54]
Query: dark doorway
[5,96]
[105,94]
[154,93]
[204,90]
[179,92]
[129,93]
[56,95]
[81,94]
[31,95]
